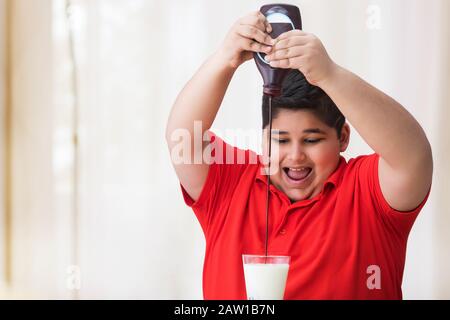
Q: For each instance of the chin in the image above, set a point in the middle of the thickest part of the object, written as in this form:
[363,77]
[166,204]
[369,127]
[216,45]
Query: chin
[297,196]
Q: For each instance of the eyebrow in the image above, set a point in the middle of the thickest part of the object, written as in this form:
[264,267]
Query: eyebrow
[310,130]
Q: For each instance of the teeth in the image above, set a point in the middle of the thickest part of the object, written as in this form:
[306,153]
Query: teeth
[296,169]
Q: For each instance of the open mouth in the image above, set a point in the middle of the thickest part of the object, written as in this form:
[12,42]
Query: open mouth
[297,176]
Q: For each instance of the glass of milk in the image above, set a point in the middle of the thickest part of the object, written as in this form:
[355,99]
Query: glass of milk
[265,276]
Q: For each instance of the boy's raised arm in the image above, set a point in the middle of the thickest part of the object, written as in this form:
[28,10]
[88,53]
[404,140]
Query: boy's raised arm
[406,164]
[405,167]
[202,96]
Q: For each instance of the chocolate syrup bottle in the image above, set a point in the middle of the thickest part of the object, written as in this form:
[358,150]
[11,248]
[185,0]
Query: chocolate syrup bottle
[282,18]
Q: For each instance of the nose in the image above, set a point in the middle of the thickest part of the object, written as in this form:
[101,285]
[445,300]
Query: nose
[296,153]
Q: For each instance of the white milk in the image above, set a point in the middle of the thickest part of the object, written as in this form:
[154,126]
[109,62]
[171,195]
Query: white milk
[265,281]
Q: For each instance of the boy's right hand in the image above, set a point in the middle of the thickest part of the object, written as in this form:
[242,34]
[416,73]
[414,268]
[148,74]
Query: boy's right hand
[247,35]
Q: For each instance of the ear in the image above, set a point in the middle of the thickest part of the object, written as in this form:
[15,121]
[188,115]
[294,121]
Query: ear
[345,137]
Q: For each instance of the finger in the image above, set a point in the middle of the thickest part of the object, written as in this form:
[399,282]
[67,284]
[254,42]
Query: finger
[268,27]
[283,64]
[266,22]
[254,46]
[291,33]
[255,19]
[253,33]
[290,42]
[287,53]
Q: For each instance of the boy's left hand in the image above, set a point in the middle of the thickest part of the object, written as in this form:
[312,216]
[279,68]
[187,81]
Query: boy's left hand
[297,49]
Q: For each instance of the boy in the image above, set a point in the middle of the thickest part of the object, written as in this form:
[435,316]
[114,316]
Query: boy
[345,225]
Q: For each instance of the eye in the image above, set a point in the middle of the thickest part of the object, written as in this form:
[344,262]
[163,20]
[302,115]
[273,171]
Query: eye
[280,141]
[312,141]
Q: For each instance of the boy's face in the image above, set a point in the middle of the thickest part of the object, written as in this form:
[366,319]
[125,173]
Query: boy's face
[305,152]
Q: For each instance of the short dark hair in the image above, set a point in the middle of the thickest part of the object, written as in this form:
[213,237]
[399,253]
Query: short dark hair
[299,94]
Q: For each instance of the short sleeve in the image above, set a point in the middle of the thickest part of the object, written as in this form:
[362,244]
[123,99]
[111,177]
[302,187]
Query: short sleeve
[401,221]
[226,167]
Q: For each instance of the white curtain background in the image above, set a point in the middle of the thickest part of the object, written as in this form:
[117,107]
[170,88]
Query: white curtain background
[90,205]
[3,138]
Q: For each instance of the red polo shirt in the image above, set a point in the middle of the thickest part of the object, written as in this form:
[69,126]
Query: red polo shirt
[345,243]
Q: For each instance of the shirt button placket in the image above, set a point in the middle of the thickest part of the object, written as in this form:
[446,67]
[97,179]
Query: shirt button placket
[281,228]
